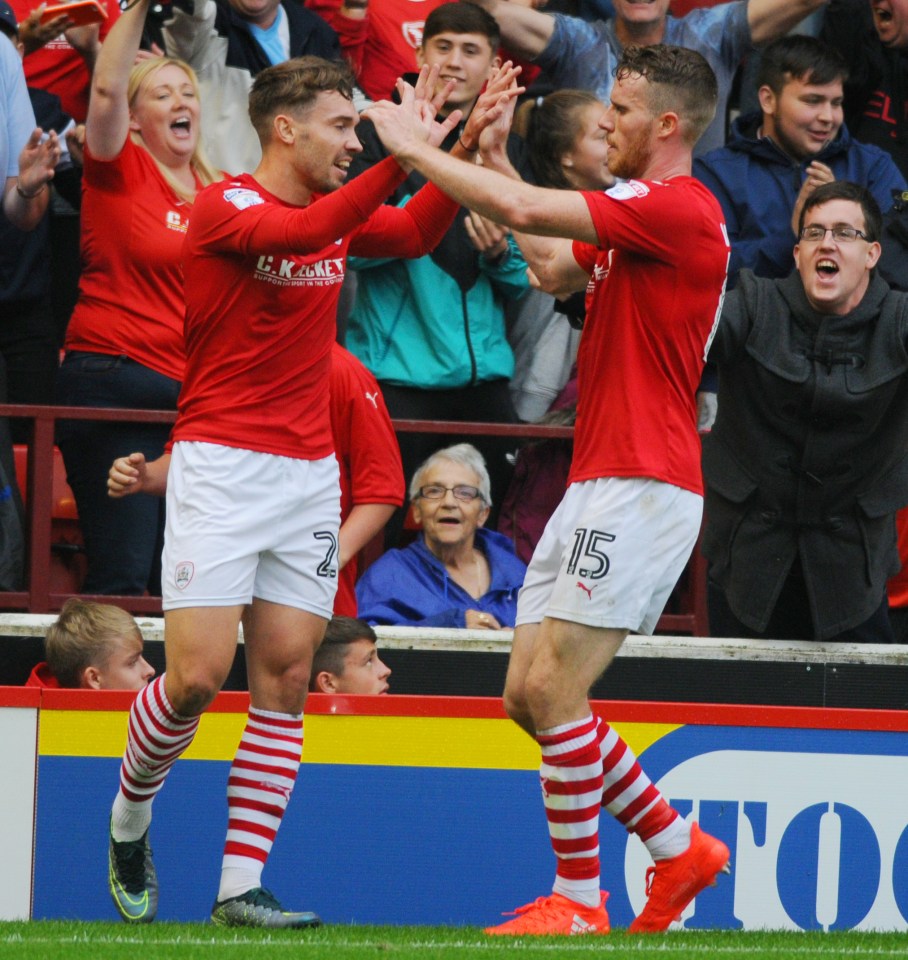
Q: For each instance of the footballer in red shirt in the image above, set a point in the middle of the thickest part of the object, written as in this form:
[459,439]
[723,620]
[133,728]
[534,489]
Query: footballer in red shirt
[253,499]
[656,250]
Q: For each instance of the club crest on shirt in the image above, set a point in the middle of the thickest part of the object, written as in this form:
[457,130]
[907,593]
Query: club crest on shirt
[412,32]
[183,574]
[600,272]
[630,190]
[242,197]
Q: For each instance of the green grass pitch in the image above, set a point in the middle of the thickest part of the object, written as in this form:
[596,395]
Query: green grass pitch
[55,940]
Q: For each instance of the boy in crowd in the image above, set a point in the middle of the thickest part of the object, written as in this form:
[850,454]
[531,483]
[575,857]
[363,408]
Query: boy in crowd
[776,157]
[348,660]
[92,646]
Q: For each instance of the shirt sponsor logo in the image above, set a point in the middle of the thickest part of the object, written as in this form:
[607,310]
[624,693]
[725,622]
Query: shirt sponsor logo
[241,197]
[291,273]
[631,190]
[176,222]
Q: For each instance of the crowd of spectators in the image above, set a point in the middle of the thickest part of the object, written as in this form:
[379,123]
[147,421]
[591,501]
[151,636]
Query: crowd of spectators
[115,126]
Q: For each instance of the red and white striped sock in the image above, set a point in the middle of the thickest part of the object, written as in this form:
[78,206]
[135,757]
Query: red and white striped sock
[633,799]
[258,790]
[571,779]
[158,735]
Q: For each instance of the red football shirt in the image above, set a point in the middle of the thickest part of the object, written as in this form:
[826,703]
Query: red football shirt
[658,280]
[367,452]
[131,287]
[262,282]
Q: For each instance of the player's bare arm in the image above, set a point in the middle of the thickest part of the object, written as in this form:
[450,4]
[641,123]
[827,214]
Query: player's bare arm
[553,267]
[419,222]
[516,204]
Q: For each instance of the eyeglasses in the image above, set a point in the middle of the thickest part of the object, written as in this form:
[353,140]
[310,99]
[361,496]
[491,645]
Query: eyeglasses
[841,233]
[462,491]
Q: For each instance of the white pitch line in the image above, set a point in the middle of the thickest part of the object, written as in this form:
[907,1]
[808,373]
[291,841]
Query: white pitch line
[624,946]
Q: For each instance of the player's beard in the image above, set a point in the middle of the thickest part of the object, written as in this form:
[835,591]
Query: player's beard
[633,161]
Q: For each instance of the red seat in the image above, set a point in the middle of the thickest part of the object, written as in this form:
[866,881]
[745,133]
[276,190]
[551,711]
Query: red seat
[67,546]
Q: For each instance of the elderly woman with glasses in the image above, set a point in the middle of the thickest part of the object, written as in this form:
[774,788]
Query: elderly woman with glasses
[457,574]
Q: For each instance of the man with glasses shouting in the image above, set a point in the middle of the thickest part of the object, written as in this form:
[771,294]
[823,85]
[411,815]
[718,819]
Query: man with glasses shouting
[807,464]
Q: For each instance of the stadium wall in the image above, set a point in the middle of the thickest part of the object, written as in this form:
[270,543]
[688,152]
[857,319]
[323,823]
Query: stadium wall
[670,669]
[426,810]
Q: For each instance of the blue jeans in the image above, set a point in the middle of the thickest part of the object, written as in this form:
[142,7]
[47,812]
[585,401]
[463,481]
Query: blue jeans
[123,538]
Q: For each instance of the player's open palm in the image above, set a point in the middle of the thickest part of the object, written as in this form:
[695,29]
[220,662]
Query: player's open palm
[429,96]
[494,110]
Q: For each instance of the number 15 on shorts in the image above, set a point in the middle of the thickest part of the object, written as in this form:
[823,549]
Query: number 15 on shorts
[588,559]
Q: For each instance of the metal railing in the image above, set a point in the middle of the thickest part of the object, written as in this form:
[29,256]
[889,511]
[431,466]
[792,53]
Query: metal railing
[39,597]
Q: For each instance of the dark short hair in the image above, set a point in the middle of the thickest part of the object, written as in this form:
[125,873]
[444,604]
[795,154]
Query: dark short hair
[291,86]
[680,81]
[340,633]
[845,190]
[550,130]
[799,57]
[462,17]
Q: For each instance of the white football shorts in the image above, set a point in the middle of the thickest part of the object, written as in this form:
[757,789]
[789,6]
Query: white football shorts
[611,554]
[243,524]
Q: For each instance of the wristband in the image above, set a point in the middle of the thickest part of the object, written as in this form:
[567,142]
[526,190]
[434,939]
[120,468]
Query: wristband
[468,149]
[30,196]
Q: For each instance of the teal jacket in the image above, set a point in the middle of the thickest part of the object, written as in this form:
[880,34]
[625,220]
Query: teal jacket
[436,322]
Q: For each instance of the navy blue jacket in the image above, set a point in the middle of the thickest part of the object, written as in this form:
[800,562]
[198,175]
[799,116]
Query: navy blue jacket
[757,186]
[411,587]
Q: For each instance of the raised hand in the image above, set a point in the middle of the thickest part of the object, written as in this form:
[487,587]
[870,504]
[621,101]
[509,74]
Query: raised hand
[75,143]
[428,99]
[494,109]
[151,54]
[33,34]
[86,40]
[37,161]
[816,175]
[405,127]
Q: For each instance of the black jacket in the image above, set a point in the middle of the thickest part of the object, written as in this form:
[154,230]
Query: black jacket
[809,453]
[876,92]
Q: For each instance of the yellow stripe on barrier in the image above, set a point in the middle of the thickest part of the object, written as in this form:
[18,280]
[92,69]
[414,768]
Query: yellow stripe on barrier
[99,733]
[366,741]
